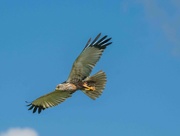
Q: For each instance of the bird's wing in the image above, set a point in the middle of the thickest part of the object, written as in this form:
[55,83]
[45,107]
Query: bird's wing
[49,100]
[85,62]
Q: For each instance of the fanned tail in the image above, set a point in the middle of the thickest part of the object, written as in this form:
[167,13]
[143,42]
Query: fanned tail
[97,82]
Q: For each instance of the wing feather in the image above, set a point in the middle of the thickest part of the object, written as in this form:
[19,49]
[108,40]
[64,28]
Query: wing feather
[49,100]
[95,40]
[88,58]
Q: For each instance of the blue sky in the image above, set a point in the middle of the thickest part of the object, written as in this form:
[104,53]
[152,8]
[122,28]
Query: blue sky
[39,40]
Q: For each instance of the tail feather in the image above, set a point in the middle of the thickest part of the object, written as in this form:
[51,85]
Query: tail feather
[98,81]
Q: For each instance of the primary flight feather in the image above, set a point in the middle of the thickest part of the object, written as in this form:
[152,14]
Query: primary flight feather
[79,78]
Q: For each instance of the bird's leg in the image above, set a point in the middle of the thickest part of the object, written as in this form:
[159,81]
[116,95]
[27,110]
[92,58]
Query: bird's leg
[88,88]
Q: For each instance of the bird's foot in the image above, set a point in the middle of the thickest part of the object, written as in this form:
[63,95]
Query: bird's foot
[88,88]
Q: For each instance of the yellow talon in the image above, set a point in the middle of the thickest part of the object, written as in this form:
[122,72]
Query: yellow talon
[88,88]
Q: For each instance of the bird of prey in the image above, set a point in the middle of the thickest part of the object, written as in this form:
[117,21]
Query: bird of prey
[79,77]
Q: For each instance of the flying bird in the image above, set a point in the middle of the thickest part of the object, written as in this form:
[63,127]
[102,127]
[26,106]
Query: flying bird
[79,77]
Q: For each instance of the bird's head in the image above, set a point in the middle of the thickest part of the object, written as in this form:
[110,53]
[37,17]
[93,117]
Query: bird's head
[60,87]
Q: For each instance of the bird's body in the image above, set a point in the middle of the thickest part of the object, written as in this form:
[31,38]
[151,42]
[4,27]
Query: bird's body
[79,78]
[67,87]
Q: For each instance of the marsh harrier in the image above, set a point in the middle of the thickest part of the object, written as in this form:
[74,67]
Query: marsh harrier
[79,78]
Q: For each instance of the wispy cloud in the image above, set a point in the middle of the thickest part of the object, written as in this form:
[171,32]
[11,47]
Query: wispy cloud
[167,19]
[19,132]
[162,14]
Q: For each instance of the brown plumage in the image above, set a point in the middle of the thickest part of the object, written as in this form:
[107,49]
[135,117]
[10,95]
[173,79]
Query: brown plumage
[79,78]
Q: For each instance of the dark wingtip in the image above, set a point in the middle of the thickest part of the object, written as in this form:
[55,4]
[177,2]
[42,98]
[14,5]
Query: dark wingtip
[101,43]
[87,43]
[99,34]
[39,110]
[95,39]
[30,108]
[35,108]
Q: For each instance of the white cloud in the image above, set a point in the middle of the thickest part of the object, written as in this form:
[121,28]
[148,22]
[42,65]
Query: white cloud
[19,132]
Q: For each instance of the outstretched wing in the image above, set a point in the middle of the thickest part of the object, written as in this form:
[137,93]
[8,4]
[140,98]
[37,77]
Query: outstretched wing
[49,100]
[88,58]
